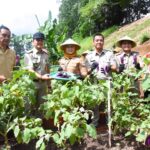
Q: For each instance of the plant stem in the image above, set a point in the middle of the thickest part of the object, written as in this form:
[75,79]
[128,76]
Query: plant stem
[6,142]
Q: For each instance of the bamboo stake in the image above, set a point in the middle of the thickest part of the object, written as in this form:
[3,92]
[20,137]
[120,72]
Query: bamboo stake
[109,111]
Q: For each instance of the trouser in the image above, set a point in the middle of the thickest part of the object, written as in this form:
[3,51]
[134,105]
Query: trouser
[41,90]
[97,109]
[95,120]
[101,107]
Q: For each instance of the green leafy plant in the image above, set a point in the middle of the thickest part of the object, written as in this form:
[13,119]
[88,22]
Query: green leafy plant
[12,100]
[72,102]
[130,113]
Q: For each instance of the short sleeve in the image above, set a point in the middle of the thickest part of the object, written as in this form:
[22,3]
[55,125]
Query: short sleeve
[113,61]
[28,62]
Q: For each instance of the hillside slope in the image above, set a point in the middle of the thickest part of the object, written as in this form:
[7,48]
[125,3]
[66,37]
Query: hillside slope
[135,30]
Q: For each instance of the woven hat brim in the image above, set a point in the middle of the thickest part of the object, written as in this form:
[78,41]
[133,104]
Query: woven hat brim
[133,43]
[63,46]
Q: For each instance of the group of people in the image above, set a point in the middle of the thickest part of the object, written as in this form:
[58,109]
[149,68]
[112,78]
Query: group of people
[99,60]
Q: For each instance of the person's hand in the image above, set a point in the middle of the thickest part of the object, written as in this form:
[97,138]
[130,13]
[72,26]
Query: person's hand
[121,68]
[60,68]
[136,63]
[107,69]
[45,77]
[94,66]
[137,66]
[103,71]
[2,78]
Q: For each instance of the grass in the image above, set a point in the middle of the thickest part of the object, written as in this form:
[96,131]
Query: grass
[110,30]
[134,30]
[86,44]
[145,37]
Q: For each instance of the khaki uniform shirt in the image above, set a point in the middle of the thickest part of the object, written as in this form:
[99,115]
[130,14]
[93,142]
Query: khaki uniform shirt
[128,60]
[105,60]
[7,62]
[74,65]
[37,61]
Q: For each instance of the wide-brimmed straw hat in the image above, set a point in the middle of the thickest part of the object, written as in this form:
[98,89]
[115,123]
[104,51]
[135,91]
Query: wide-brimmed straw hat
[125,38]
[70,42]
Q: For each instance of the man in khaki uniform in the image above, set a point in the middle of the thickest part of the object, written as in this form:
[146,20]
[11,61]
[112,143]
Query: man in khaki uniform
[129,60]
[37,61]
[7,55]
[101,62]
[71,62]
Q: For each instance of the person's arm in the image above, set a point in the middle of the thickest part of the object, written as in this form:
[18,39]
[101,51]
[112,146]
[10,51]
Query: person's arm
[113,63]
[83,69]
[2,78]
[29,66]
[47,68]
[139,64]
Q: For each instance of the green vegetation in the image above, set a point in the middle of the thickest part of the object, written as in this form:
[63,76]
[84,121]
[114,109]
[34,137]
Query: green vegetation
[145,37]
[130,113]
[70,105]
[89,16]
[133,30]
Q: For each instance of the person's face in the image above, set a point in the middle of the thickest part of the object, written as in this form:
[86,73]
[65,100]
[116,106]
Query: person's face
[4,37]
[38,43]
[70,49]
[98,42]
[126,46]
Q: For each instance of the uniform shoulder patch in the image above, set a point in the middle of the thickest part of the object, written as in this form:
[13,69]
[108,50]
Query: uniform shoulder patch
[45,51]
[117,54]
[29,51]
[107,50]
[134,52]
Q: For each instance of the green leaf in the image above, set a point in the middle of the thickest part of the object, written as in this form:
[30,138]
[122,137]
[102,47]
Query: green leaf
[80,132]
[26,135]
[72,139]
[141,136]
[39,143]
[91,130]
[16,131]
[56,138]
[128,133]
[1,100]
[66,102]
[43,146]
[68,130]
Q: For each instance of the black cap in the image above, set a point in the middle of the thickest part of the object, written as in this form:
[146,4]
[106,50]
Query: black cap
[38,35]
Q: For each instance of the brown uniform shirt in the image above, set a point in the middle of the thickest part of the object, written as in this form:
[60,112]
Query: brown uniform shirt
[7,62]
[74,65]
[37,61]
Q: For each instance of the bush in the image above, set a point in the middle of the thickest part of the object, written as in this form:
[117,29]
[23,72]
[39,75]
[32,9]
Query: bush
[145,37]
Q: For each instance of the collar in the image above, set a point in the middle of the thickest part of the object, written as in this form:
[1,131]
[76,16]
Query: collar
[99,54]
[35,51]
[129,54]
[2,51]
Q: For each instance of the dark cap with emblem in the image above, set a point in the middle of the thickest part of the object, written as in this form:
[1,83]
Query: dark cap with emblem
[38,35]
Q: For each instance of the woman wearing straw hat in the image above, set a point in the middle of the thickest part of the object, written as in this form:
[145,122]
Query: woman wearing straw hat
[127,58]
[71,62]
